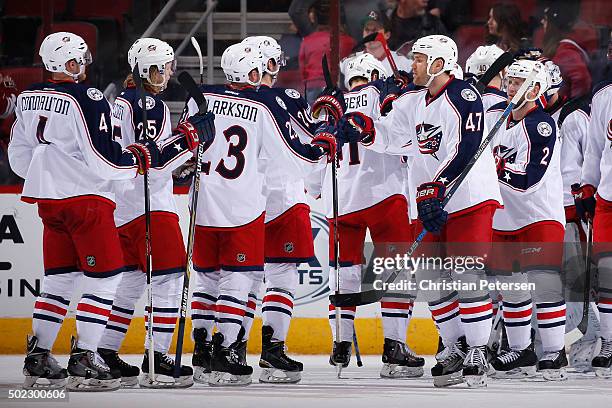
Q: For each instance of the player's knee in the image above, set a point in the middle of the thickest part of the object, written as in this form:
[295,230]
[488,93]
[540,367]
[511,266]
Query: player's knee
[60,284]
[350,279]
[510,281]
[283,276]
[547,286]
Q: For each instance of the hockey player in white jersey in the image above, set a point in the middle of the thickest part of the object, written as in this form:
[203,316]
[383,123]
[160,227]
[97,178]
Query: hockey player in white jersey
[61,144]
[594,204]
[477,64]
[252,134]
[529,230]
[449,129]
[155,60]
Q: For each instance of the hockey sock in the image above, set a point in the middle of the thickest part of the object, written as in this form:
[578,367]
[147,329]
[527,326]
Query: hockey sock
[51,307]
[94,308]
[234,290]
[604,304]
[396,314]
[251,307]
[277,304]
[166,298]
[517,320]
[475,308]
[130,289]
[445,313]
[203,301]
[550,306]
[350,282]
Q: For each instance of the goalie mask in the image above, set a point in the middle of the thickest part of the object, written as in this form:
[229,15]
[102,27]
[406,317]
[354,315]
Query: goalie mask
[239,60]
[59,48]
[363,66]
[434,47]
[270,50]
[151,52]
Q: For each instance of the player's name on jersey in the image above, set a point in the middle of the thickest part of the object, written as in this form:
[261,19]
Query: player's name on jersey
[235,109]
[455,285]
[356,101]
[45,102]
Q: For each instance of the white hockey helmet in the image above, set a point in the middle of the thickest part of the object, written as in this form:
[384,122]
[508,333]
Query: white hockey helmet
[437,46]
[238,60]
[555,78]
[522,69]
[482,59]
[59,48]
[457,72]
[151,52]
[362,65]
[270,49]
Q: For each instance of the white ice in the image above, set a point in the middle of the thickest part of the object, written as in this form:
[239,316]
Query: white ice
[319,388]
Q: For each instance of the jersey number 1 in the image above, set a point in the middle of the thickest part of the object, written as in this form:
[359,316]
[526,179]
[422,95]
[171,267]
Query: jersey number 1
[40,130]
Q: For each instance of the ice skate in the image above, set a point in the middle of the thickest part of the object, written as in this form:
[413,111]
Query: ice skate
[40,368]
[448,369]
[341,353]
[602,363]
[515,364]
[88,372]
[276,366]
[201,356]
[226,367]
[399,361]
[475,367]
[164,373]
[552,365]
[128,373]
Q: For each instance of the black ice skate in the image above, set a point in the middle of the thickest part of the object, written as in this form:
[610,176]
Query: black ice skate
[515,364]
[276,366]
[88,372]
[226,367]
[40,368]
[341,354]
[127,372]
[164,366]
[399,361]
[602,363]
[475,367]
[448,369]
[201,356]
[552,365]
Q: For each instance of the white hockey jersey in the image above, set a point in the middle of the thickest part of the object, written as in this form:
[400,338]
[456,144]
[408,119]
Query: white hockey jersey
[254,142]
[446,130]
[597,168]
[365,177]
[573,125]
[128,129]
[531,184]
[492,96]
[61,143]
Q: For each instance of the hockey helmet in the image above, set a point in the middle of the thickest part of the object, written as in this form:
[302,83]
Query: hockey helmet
[434,47]
[151,52]
[362,65]
[270,49]
[482,59]
[555,78]
[59,48]
[238,60]
[522,69]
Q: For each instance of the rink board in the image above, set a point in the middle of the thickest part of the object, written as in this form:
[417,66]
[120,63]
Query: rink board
[21,273]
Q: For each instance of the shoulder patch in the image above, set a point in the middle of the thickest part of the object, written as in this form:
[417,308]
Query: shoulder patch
[292,93]
[468,95]
[281,103]
[544,129]
[95,94]
[150,103]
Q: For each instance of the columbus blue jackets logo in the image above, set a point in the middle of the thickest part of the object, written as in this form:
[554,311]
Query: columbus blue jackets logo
[292,93]
[507,153]
[95,94]
[468,95]
[150,103]
[429,137]
[544,129]
[610,132]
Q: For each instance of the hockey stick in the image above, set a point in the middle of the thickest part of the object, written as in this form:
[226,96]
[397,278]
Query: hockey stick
[190,86]
[330,84]
[496,67]
[586,302]
[380,37]
[147,196]
[373,295]
[196,45]
[357,353]
[368,38]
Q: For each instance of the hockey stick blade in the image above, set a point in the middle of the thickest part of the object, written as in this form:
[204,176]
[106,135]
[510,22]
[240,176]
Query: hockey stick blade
[584,321]
[189,85]
[368,38]
[196,45]
[500,63]
[326,74]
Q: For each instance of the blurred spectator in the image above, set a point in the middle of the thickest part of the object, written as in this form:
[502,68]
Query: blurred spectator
[8,96]
[566,49]
[378,22]
[505,27]
[290,44]
[302,13]
[411,20]
[453,13]
[312,49]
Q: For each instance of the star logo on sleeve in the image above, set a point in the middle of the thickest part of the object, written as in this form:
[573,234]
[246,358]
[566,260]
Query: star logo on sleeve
[178,147]
[507,177]
[443,180]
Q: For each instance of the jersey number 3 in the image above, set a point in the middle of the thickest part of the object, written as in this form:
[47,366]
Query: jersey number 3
[235,151]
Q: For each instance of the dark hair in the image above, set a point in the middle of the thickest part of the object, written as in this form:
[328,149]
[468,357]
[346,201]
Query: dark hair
[509,25]
[560,19]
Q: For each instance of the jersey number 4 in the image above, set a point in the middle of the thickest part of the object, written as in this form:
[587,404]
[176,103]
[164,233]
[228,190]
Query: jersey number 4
[234,150]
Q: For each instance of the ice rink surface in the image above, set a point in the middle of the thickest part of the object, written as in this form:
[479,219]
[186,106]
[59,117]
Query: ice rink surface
[319,388]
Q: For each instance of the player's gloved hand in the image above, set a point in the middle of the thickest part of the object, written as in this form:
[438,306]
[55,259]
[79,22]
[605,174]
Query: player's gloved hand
[584,198]
[403,79]
[571,215]
[500,165]
[325,138]
[184,171]
[146,154]
[364,125]
[332,101]
[198,128]
[429,206]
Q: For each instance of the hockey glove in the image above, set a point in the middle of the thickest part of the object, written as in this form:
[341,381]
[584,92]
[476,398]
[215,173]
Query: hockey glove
[198,128]
[146,155]
[429,206]
[584,198]
[364,125]
[332,101]
[325,139]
